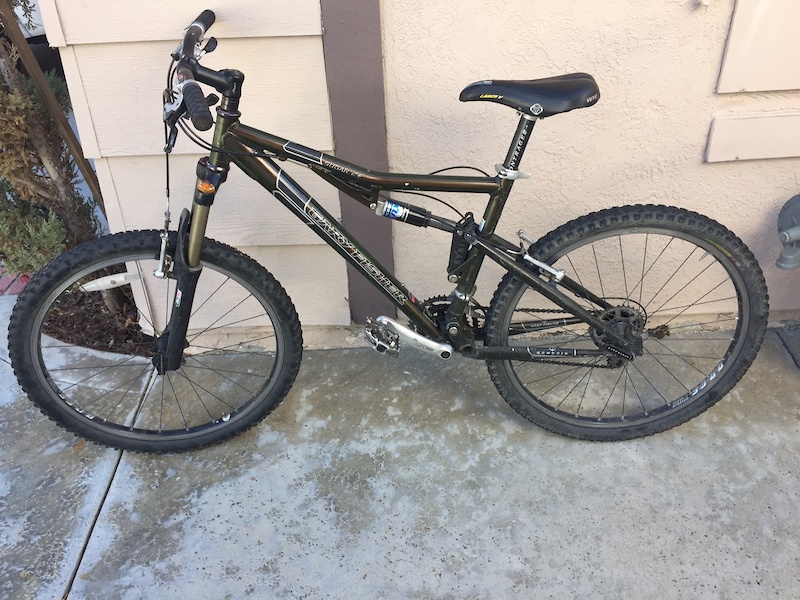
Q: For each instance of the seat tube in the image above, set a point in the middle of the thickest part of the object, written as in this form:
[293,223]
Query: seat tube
[508,172]
[497,201]
[520,142]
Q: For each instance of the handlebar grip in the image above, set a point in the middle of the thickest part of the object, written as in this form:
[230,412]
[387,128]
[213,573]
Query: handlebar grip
[205,20]
[196,31]
[196,106]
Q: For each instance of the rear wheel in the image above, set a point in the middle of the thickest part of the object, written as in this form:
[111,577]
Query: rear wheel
[681,284]
[84,332]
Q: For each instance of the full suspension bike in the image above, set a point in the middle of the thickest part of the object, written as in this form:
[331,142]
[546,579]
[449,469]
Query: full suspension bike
[619,324]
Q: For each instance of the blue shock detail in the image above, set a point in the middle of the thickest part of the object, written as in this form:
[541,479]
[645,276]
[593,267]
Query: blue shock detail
[395,211]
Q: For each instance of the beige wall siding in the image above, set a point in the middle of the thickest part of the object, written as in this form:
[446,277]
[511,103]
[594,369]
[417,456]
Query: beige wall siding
[115,57]
[657,64]
[242,210]
[762,54]
[122,84]
[71,22]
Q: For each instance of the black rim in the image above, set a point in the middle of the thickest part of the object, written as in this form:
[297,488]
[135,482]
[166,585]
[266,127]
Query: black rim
[628,373]
[143,373]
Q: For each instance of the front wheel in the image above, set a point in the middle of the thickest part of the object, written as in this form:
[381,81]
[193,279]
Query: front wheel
[681,284]
[84,332]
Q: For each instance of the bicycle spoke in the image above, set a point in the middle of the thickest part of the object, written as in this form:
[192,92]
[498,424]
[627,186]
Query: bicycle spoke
[650,383]
[234,345]
[644,262]
[129,382]
[199,398]
[219,287]
[635,389]
[205,367]
[671,286]
[569,371]
[622,262]
[611,394]
[219,319]
[682,357]
[574,387]
[585,389]
[229,371]
[640,283]
[105,370]
[177,401]
[667,280]
[194,383]
[210,329]
[683,307]
[599,277]
[687,285]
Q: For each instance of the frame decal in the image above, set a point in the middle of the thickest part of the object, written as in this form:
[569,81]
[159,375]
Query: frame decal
[288,192]
[304,152]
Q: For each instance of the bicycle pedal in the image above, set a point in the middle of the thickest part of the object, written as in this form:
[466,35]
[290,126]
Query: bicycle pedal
[385,335]
[381,337]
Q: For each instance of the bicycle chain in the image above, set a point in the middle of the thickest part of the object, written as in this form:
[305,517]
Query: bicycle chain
[554,361]
[570,364]
[431,301]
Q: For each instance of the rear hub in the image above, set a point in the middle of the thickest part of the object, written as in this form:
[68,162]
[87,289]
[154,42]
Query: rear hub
[627,322]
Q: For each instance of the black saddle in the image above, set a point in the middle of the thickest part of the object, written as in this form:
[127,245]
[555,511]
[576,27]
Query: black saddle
[538,97]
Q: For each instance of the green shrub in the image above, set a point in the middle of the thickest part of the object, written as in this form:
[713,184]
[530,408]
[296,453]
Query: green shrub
[35,160]
[29,236]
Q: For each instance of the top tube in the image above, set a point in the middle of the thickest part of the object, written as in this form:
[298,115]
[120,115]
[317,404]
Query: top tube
[351,172]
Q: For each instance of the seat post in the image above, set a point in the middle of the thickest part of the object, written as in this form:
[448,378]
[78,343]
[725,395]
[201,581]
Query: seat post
[520,141]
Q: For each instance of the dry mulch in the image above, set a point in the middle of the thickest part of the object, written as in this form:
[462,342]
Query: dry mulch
[85,320]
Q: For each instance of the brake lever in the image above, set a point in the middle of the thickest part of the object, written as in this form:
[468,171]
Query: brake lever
[171,138]
[173,110]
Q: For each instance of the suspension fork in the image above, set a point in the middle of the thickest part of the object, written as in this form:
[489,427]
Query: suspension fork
[172,341]
[211,174]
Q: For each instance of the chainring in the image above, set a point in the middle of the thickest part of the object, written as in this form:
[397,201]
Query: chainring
[436,308]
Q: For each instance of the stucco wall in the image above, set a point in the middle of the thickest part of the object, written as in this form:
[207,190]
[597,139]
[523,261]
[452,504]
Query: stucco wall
[657,64]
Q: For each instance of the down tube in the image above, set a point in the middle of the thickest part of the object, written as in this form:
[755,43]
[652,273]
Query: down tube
[296,199]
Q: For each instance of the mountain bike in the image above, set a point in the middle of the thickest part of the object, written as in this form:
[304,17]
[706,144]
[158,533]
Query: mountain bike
[619,324]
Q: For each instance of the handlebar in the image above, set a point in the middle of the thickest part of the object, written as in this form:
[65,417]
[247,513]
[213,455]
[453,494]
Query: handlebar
[205,20]
[193,96]
[196,31]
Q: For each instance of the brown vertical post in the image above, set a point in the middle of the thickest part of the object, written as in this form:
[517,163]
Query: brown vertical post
[354,67]
[13,32]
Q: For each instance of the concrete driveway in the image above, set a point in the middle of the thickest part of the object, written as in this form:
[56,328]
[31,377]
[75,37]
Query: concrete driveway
[381,478]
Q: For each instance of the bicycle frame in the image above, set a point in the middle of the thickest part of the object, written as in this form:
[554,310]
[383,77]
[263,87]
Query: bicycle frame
[254,152]
[342,174]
